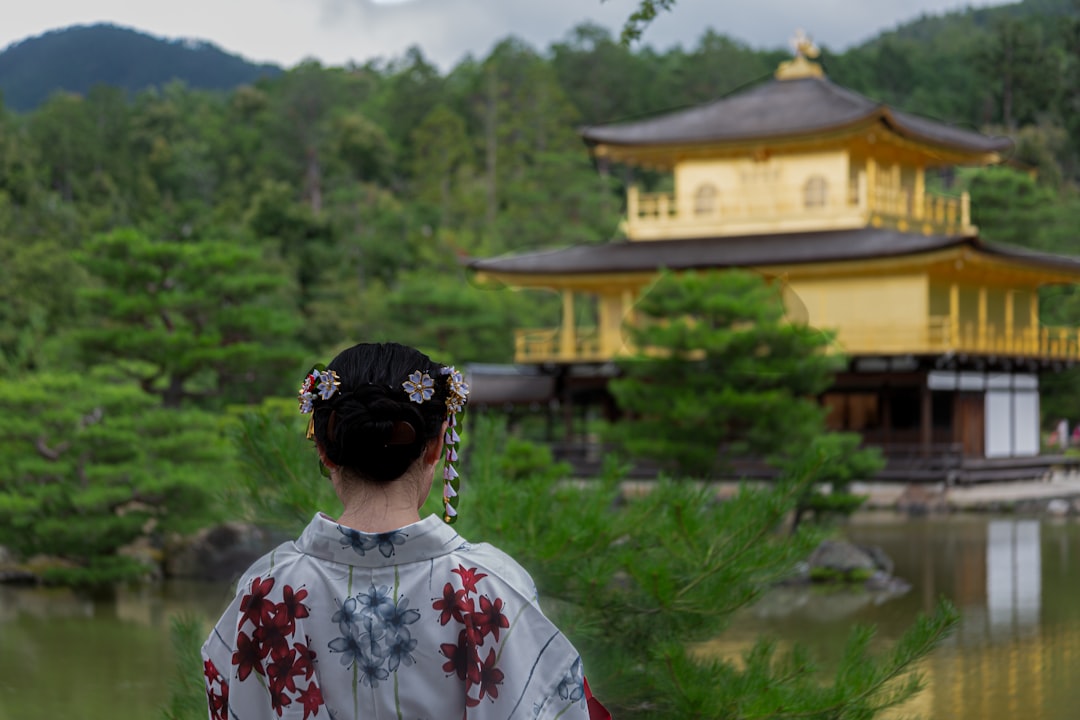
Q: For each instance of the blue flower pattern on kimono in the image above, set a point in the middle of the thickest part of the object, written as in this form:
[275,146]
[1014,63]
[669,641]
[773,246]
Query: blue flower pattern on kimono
[361,543]
[375,634]
[572,686]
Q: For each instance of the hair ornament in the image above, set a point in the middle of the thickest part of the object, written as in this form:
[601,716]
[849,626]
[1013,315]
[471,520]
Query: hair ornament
[321,383]
[419,386]
[457,393]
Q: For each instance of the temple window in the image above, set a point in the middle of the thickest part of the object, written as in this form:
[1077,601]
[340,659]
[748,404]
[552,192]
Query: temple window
[705,200]
[815,192]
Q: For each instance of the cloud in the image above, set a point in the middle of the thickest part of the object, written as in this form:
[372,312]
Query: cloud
[446,30]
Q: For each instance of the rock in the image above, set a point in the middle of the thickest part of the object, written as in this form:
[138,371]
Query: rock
[218,553]
[11,572]
[1057,507]
[147,554]
[882,561]
[837,559]
[921,500]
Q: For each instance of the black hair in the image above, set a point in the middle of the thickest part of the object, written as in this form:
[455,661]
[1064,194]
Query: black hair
[370,426]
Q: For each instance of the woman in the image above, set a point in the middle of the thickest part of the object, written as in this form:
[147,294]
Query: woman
[379,614]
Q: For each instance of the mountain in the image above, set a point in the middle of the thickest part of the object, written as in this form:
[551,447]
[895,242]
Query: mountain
[79,57]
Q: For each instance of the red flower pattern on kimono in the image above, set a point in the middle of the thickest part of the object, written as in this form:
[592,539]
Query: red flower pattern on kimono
[255,606]
[490,618]
[311,698]
[454,605]
[463,659]
[265,645]
[469,578]
[218,701]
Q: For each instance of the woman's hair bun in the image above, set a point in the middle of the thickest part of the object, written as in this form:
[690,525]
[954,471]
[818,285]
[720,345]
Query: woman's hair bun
[366,426]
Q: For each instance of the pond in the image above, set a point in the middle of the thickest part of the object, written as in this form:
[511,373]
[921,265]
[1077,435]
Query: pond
[1016,654]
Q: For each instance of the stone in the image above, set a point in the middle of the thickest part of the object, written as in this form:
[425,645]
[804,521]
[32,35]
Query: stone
[841,558]
[920,500]
[218,553]
[882,561]
[1057,507]
[147,553]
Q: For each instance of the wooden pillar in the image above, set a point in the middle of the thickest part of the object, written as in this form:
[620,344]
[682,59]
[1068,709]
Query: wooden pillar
[926,420]
[568,339]
[982,319]
[920,193]
[965,211]
[603,324]
[626,315]
[871,184]
[568,415]
[1010,321]
[954,317]
[1033,321]
[886,414]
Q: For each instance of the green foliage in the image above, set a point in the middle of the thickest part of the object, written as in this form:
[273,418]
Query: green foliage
[88,464]
[187,694]
[642,17]
[720,369]
[638,583]
[78,58]
[1009,206]
[279,482]
[197,312]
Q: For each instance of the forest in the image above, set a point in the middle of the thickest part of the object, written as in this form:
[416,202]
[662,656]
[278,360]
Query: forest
[171,255]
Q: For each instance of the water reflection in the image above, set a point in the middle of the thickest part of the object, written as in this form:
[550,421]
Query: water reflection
[1016,582]
[1013,577]
[1015,655]
[65,654]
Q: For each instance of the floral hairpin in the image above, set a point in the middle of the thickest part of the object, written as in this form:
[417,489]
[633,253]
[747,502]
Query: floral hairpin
[321,383]
[419,386]
[457,394]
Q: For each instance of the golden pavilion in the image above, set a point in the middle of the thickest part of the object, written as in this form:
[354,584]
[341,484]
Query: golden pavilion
[830,193]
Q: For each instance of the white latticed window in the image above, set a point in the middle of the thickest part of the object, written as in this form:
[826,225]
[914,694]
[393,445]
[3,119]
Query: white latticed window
[815,192]
[705,200]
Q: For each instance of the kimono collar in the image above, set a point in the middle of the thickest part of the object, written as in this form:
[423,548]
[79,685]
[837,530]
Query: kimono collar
[429,538]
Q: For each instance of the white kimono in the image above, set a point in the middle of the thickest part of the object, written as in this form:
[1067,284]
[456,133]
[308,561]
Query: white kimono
[411,624]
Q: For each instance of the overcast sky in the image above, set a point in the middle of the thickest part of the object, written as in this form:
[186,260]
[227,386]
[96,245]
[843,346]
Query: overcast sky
[336,31]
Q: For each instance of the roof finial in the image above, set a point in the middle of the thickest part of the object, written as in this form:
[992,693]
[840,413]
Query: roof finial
[803,45]
[800,66]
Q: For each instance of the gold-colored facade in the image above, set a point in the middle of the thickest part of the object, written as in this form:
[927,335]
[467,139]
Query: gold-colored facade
[875,173]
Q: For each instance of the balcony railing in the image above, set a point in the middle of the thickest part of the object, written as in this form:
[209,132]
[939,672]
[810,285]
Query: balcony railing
[937,335]
[552,345]
[785,208]
[1056,343]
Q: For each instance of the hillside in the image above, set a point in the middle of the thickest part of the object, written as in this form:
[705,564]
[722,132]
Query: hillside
[77,58]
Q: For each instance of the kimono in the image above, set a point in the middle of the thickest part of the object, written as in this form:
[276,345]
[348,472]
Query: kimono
[411,624]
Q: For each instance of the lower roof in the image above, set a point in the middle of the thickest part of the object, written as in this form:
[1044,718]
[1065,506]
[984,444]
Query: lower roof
[753,251]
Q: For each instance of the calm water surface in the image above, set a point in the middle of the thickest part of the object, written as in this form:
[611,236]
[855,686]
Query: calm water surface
[1016,654]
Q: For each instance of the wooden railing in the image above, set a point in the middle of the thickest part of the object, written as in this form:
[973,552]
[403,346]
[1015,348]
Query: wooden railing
[938,335]
[656,216]
[551,345]
[899,207]
[1058,343]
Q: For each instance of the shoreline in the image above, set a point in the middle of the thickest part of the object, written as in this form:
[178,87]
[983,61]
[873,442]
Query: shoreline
[1056,494]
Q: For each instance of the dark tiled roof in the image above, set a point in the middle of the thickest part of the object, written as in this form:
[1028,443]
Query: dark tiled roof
[786,108]
[508,384]
[750,251]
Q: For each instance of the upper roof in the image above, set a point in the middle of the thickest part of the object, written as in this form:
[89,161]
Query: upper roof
[787,109]
[754,251]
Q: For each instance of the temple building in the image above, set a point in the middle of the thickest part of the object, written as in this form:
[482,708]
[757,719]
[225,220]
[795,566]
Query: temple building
[843,200]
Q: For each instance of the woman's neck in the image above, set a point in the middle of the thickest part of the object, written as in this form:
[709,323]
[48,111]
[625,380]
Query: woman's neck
[375,508]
